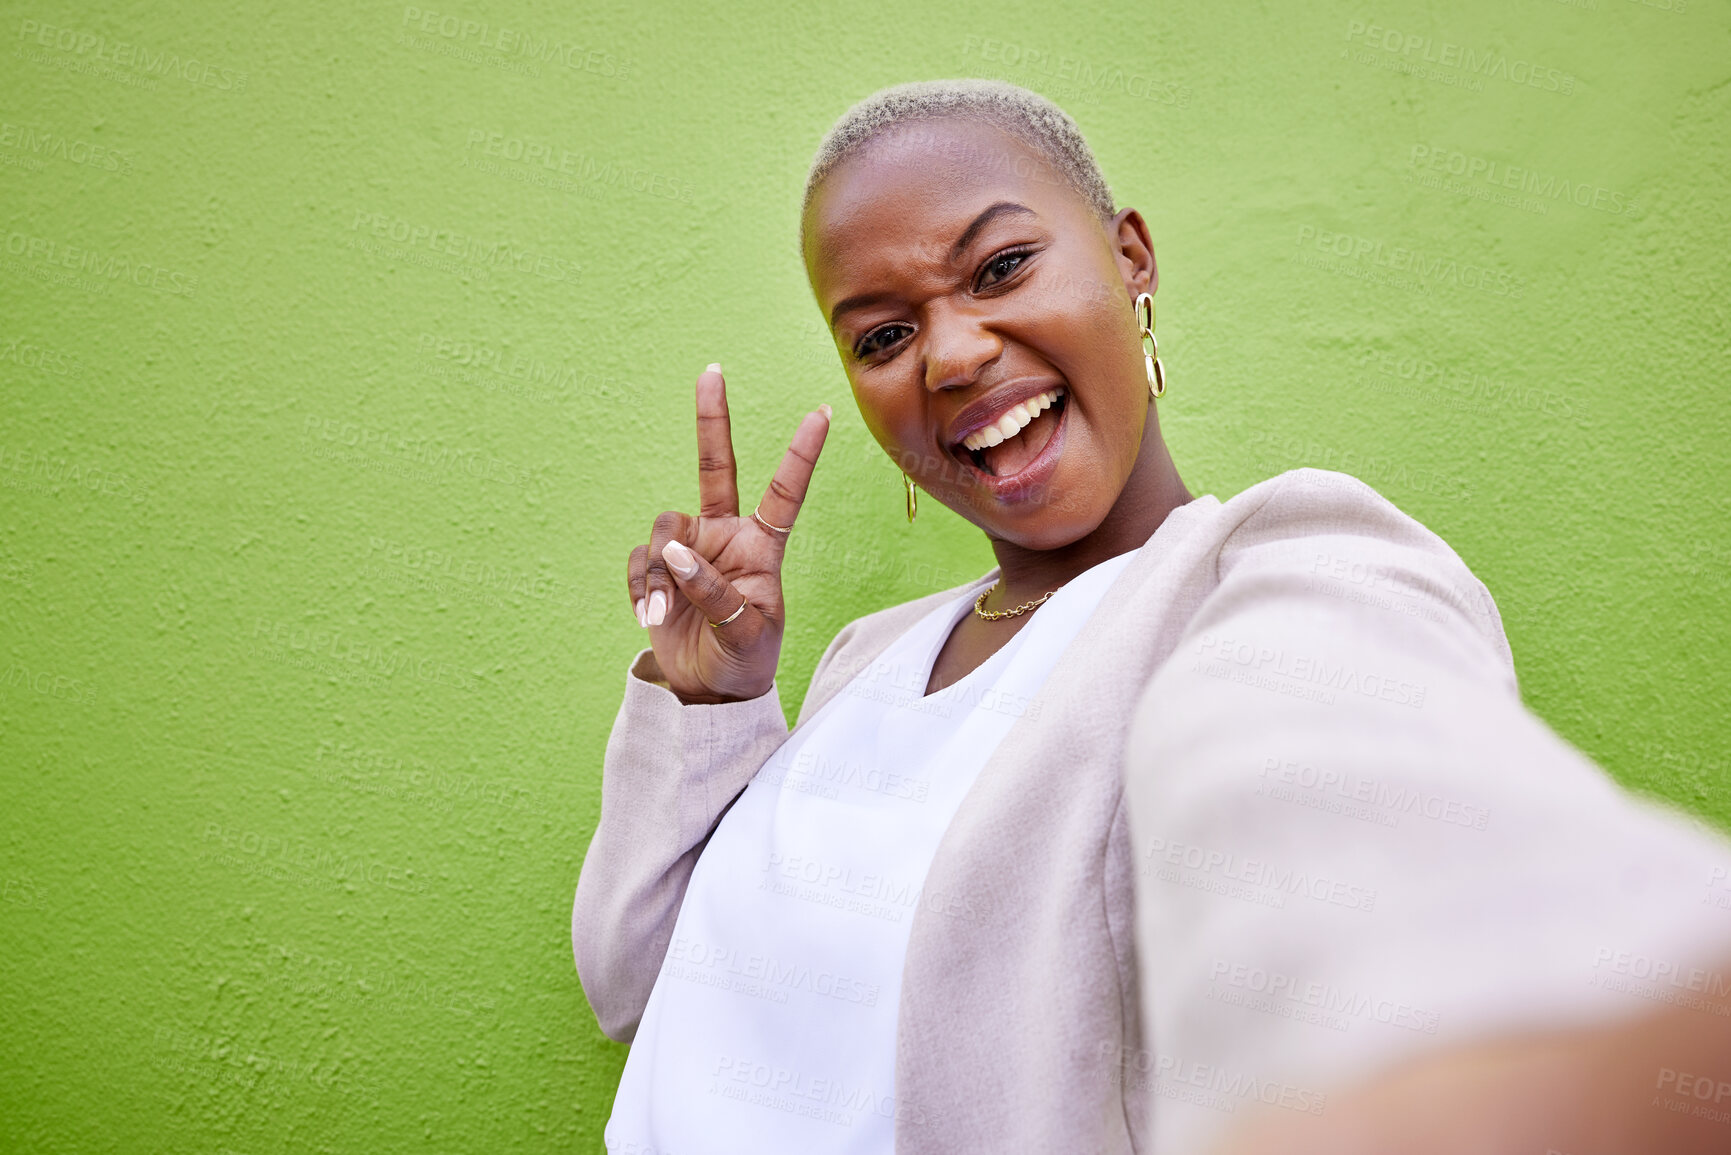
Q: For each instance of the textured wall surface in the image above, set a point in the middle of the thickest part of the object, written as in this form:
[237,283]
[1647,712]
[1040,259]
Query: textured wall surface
[346,350]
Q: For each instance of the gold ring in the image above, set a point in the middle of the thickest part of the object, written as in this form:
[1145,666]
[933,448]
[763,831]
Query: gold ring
[731,616]
[757,517]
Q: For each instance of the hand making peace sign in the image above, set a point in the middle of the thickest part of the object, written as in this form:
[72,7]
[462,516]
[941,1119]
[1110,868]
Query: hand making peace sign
[730,563]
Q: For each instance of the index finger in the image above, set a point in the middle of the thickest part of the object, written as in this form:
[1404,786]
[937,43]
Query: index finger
[786,492]
[717,476]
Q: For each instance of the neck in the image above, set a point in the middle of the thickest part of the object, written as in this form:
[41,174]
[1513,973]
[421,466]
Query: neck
[1153,490]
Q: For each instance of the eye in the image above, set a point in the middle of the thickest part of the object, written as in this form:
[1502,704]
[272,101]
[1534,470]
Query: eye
[1000,266]
[880,338]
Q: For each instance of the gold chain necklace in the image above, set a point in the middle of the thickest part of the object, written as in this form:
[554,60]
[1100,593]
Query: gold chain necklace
[994,614]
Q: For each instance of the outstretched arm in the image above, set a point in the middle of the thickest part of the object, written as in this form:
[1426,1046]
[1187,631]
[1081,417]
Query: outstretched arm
[1357,848]
[1661,1083]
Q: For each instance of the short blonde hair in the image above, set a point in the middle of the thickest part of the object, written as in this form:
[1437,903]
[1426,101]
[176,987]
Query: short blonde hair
[1028,116]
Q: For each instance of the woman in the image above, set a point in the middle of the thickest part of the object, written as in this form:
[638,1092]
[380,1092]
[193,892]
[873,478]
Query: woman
[911,922]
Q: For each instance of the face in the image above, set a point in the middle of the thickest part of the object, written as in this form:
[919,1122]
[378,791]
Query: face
[961,277]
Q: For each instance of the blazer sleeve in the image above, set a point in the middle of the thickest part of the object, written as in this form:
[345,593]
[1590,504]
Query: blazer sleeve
[1355,843]
[670,772]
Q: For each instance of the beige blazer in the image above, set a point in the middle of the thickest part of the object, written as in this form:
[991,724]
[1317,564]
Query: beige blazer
[1020,996]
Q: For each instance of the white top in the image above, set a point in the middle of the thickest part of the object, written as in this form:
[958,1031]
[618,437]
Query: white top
[772,1025]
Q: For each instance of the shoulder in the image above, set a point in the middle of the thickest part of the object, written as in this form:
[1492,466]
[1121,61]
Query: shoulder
[1303,504]
[1330,540]
[892,621]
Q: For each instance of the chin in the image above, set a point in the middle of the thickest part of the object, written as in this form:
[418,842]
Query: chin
[1051,518]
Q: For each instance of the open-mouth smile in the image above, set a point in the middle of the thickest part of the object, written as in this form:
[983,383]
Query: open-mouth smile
[1020,451]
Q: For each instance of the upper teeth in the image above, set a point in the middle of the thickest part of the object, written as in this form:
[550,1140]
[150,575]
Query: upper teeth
[1012,422]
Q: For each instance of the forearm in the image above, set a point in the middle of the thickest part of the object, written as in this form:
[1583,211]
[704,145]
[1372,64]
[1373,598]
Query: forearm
[1661,1082]
[670,771]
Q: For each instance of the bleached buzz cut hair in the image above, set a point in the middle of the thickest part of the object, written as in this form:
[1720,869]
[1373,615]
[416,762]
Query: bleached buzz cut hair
[1027,116]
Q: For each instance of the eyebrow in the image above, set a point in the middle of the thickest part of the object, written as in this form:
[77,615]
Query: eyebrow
[991,213]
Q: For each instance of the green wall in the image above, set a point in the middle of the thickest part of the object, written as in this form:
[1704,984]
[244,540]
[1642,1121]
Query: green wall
[346,354]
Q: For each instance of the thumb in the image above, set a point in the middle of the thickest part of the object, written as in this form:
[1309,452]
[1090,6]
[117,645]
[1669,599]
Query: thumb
[712,594]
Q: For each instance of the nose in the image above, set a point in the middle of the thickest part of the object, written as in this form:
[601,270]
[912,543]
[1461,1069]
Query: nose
[958,345]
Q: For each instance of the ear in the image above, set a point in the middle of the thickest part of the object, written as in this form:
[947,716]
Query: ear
[1134,251]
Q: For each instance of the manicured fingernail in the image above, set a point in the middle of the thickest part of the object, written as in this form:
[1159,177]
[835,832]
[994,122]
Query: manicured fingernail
[679,559]
[714,367]
[826,412]
[657,607]
[641,620]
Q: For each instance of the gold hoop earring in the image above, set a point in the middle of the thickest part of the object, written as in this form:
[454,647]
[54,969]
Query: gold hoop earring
[911,503]
[1150,347]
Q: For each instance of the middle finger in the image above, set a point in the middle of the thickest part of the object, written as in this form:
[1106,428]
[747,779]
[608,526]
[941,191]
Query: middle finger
[717,476]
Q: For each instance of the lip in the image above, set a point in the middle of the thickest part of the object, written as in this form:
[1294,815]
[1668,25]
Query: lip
[990,410]
[1034,476]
